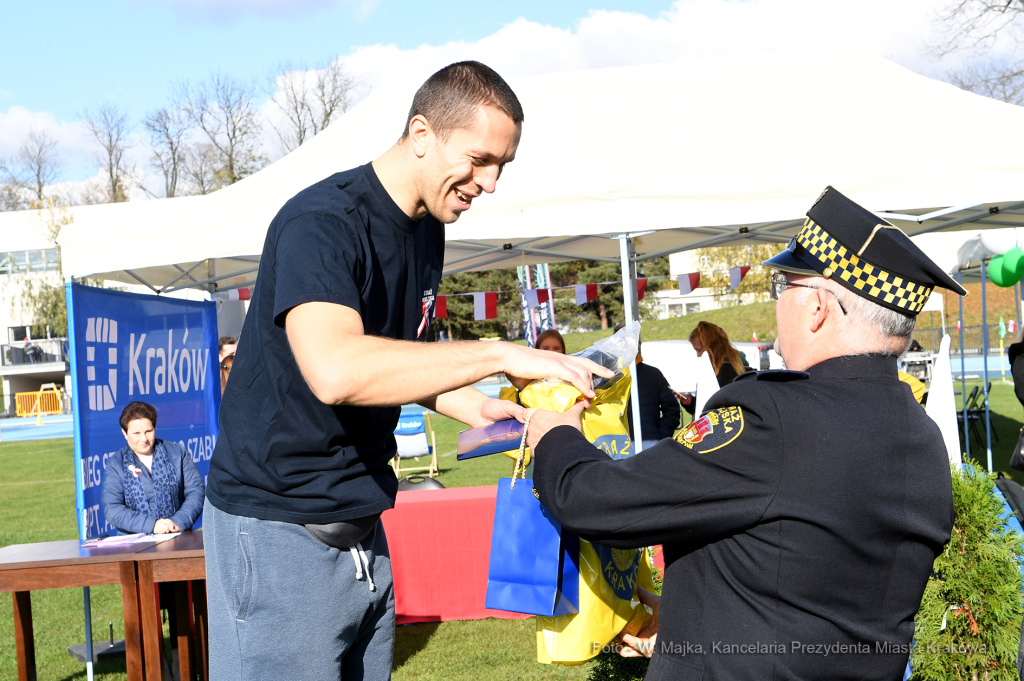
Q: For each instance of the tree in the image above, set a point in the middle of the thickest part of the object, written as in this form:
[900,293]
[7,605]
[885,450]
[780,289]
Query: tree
[309,99]
[225,112]
[26,176]
[168,129]
[201,169]
[109,128]
[974,27]
[969,621]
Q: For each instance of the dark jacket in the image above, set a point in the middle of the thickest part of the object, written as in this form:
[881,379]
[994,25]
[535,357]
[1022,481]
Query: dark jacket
[801,507]
[726,375]
[190,501]
[659,408]
[1016,352]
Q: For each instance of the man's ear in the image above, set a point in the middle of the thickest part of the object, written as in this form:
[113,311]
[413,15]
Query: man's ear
[421,135]
[820,308]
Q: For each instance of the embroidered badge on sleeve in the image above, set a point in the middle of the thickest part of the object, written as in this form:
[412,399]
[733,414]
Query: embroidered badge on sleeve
[714,430]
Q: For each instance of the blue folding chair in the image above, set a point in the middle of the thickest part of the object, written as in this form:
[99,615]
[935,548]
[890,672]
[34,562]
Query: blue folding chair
[411,436]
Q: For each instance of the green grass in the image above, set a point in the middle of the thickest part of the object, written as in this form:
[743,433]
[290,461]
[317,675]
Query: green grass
[37,503]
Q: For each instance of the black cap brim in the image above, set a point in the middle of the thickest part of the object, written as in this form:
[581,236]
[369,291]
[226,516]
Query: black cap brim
[788,261]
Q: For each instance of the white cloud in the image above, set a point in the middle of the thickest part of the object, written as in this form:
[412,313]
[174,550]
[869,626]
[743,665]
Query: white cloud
[17,122]
[691,30]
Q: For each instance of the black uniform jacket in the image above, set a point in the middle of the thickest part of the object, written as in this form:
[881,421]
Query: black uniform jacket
[801,513]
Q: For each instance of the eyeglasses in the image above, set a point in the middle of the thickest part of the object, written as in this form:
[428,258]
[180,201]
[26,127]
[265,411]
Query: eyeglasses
[779,284]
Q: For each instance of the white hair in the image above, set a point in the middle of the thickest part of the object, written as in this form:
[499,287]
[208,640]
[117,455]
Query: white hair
[893,329]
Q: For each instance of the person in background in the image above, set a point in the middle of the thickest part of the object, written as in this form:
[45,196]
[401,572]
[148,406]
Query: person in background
[727,361]
[659,410]
[227,345]
[150,485]
[550,340]
[1016,352]
[225,371]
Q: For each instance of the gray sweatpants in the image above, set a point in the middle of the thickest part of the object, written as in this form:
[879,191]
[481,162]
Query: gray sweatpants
[284,605]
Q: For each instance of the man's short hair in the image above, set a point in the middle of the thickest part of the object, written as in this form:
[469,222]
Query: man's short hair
[137,410]
[450,98]
[895,328]
[226,340]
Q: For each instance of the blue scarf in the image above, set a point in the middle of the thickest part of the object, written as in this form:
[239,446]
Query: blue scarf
[166,487]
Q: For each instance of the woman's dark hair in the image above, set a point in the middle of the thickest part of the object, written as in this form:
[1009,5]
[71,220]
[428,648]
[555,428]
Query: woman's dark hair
[550,333]
[137,410]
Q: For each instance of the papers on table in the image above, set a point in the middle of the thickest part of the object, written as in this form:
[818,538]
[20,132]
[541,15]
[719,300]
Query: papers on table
[125,539]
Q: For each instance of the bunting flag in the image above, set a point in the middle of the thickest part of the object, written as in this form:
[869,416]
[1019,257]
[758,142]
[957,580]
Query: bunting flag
[441,307]
[1012,326]
[234,294]
[585,293]
[958,326]
[688,283]
[755,337]
[736,275]
[536,297]
[641,288]
[485,306]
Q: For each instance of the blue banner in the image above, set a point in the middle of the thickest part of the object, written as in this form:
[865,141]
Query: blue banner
[127,347]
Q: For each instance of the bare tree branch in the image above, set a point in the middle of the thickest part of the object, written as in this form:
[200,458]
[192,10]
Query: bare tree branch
[168,128]
[38,158]
[996,79]
[200,165]
[224,109]
[974,25]
[309,99]
[110,129]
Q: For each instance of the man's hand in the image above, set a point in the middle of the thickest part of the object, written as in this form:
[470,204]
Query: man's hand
[165,526]
[643,643]
[492,411]
[542,421]
[522,365]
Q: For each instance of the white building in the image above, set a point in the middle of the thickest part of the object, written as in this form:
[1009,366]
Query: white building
[27,257]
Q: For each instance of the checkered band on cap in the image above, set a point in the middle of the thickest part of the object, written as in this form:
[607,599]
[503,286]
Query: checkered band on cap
[871,281]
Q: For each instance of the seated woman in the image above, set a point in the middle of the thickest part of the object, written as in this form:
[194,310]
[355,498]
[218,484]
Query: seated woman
[150,485]
[725,359]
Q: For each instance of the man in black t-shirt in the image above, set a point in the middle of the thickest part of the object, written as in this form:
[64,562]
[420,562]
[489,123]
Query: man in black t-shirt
[299,578]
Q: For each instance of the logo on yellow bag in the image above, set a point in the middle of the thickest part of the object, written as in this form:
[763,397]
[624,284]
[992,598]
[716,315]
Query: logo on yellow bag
[619,567]
[714,430]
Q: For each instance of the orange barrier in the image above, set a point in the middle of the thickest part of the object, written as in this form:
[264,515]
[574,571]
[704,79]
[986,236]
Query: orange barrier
[38,403]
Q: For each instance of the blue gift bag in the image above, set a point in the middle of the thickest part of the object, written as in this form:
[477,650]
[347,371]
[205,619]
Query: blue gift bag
[534,566]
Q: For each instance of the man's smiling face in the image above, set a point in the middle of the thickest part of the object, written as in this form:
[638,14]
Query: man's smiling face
[468,163]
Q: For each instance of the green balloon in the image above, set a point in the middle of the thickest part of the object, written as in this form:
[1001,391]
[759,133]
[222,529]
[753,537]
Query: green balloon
[1013,263]
[997,274]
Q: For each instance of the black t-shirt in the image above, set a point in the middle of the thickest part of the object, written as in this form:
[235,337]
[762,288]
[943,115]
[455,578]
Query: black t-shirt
[282,454]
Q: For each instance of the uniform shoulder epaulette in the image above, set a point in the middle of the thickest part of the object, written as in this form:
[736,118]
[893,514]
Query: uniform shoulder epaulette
[782,375]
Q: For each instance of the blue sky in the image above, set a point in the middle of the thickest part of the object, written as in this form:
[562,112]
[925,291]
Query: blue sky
[63,56]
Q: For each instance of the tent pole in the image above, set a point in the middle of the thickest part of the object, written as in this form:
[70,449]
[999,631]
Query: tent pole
[984,373]
[963,372]
[631,314]
[1016,300]
[88,633]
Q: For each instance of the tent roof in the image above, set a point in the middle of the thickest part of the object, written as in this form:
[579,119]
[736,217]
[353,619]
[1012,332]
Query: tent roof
[682,154]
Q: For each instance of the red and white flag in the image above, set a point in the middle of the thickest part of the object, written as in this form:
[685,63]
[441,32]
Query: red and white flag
[234,294]
[736,275]
[958,326]
[755,337]
[688,283]
[641,288]
[1011,326]
[485,306]
[536,297]
[441,307]
[585,293]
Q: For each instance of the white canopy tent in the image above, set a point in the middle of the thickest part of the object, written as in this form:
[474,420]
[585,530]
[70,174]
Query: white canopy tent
[682,154]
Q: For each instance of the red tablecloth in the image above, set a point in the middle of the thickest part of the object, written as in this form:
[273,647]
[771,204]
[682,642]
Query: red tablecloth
[440,543]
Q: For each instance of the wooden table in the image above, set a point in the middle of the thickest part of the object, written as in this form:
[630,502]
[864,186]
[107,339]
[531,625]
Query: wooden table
[179,560]
[61,564]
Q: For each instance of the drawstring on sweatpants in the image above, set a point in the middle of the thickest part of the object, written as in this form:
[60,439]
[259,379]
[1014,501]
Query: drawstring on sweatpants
[359,558]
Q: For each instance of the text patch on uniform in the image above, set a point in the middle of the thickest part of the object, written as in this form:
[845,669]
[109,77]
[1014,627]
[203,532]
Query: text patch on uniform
[713,430]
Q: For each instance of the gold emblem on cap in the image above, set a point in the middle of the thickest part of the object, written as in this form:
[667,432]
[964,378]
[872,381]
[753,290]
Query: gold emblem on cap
[827,272]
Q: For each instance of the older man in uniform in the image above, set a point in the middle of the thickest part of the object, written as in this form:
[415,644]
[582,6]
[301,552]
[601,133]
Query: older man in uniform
[801,513]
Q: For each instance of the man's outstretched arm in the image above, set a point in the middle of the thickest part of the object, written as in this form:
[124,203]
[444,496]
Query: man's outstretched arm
[342,365]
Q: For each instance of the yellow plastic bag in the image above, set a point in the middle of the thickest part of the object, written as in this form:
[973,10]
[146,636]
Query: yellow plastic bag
[604,421]
[608,605]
